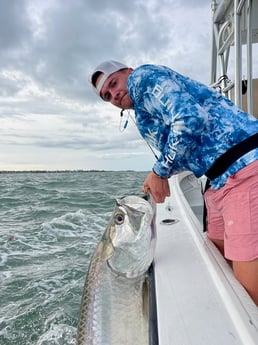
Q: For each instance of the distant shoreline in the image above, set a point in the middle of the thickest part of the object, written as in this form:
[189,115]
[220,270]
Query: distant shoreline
[62,171]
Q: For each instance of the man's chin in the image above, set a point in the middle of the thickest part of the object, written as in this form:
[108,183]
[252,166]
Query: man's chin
[126,102]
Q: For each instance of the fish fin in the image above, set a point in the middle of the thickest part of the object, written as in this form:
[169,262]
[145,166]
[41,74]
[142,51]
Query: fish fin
[145,298]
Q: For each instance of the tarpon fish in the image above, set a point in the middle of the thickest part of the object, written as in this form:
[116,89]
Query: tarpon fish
[114,306]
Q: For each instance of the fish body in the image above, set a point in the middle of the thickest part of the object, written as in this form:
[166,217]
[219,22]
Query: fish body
[114,307]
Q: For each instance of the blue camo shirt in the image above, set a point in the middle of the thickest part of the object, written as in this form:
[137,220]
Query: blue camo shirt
[190,124]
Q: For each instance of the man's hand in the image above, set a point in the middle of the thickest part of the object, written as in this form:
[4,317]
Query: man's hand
[158,187]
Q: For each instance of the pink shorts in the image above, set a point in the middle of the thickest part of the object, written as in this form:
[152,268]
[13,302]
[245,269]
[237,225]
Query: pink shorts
[233,214]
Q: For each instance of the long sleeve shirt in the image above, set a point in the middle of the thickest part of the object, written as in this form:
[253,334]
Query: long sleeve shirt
[190,124]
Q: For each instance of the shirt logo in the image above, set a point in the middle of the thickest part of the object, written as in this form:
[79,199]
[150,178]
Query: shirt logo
[158,93]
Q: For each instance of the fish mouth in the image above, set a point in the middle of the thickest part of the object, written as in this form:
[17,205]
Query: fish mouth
[145,196]
[134,236]
[136,202]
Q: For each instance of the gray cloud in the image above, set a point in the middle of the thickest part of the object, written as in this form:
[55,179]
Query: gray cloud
[13,25]
[48,48]
[74,36]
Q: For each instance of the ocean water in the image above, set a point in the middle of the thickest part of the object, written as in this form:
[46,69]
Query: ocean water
[50,225]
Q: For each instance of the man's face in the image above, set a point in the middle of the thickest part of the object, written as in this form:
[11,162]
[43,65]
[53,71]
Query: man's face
[115,89]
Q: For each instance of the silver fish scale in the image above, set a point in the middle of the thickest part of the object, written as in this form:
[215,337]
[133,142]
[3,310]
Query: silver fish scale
[114,308]
[117,309]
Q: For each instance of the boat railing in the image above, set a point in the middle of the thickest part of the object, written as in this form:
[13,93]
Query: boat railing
[235,24]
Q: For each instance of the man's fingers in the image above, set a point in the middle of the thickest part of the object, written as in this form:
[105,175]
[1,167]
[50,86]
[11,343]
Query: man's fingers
[145,189]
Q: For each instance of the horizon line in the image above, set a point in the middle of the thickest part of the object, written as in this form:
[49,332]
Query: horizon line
[65,170]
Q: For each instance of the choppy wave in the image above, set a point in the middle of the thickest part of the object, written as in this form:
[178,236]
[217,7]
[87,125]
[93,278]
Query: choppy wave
[50,225]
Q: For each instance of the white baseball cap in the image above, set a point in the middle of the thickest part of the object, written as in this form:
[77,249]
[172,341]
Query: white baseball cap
[107,68]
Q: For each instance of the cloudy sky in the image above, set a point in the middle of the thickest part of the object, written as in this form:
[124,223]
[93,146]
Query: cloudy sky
[49,116]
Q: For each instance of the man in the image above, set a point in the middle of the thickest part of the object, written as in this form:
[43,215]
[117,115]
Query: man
[195,128]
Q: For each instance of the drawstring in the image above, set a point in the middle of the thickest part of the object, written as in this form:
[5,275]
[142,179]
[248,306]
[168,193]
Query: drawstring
[123,125]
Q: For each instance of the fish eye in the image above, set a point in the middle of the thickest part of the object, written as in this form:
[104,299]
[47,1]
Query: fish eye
[119,218]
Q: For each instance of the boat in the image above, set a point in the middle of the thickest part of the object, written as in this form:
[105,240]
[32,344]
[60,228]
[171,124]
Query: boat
[197,298]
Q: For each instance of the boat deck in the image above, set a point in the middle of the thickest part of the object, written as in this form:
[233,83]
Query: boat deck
[198,299]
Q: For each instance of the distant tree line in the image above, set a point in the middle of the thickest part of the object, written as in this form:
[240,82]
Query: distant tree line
[47,171]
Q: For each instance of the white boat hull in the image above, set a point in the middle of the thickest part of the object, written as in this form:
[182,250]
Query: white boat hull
[198,299]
